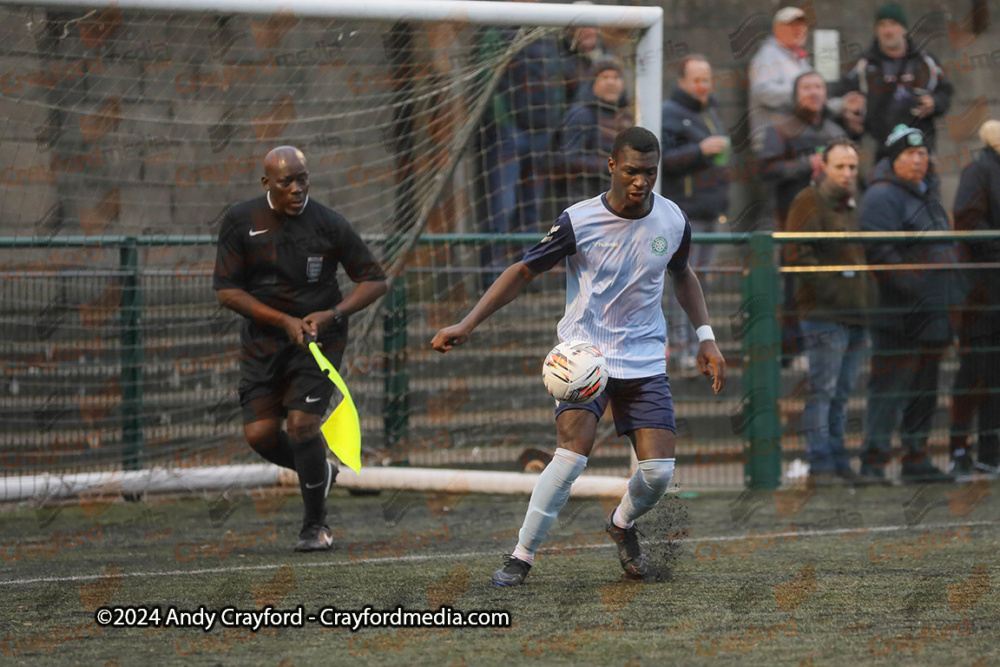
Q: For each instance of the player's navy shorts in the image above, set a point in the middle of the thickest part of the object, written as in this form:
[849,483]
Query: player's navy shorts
[278,379]
[636,403]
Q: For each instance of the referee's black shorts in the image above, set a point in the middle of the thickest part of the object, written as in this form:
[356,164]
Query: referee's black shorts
[277,376]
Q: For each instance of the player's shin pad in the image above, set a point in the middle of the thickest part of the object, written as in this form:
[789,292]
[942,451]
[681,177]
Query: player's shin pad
[645,489]
[548,497]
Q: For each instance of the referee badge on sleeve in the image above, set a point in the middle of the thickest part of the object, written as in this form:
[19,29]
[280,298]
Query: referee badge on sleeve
[314,267]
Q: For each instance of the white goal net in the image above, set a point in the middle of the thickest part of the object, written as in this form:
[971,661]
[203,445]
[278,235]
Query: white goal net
[128,130]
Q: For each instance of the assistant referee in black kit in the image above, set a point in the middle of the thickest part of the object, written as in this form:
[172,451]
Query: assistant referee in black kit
[276,266]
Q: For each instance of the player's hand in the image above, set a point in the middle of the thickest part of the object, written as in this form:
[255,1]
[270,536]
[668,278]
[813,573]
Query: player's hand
[449,337]
[712,363]
[296,329]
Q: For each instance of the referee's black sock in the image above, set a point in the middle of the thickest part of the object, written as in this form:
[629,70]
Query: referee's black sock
[276,449]
[314,478]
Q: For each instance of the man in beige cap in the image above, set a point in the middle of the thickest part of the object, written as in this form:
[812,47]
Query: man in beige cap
[774,68]
[977,385]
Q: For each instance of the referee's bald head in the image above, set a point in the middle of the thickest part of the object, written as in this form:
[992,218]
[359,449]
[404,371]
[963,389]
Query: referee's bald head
[286,179]
[280,158]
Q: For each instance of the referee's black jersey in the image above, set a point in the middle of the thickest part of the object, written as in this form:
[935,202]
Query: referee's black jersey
[290,263]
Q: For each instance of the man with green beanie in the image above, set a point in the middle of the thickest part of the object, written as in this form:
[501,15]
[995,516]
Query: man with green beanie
[911,330]
[899,83]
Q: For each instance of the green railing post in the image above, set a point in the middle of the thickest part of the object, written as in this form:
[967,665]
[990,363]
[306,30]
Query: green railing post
[131,357]
[397,379]
[762,376]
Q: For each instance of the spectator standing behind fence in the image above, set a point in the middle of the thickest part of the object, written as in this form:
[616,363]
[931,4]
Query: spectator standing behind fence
[526,108]
[911,329]
[792,153]
[895,82]
[587,135]
[581,49]
[696,150]
[977,385]
[774,68]
[790,159]
[833,321]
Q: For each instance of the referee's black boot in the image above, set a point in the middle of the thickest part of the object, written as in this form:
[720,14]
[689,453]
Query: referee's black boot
[315,538]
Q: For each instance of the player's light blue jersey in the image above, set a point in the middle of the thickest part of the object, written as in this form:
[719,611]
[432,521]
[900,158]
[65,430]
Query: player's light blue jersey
[615,270]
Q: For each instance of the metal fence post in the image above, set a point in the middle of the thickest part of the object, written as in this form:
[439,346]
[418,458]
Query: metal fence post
[762,378]
[131,356]
[397,379]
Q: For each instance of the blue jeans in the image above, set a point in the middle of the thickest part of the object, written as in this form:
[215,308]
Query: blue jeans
[835,353]
[517,169]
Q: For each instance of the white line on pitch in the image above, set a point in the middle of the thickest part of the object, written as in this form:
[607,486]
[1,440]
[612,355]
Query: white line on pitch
[469,554]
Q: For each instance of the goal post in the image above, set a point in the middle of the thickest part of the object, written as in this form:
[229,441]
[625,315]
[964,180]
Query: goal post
[134,120]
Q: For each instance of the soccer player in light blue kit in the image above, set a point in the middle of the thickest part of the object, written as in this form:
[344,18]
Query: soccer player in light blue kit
[617,247]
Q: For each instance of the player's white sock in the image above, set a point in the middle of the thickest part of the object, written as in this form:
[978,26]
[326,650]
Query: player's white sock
[547,498]
[645,489]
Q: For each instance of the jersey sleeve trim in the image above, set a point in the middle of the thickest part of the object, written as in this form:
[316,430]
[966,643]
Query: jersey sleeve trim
[559,243]
[679,261]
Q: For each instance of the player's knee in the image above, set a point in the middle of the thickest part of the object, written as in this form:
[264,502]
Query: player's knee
[572,460]
[261,435]
[303,427]
[657,473]
[302,433]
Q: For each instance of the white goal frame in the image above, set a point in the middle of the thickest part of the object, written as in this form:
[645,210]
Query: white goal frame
[648,93]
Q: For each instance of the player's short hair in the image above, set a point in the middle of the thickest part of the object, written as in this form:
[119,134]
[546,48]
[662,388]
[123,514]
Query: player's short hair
[834,143]
[690,58]
[638,139]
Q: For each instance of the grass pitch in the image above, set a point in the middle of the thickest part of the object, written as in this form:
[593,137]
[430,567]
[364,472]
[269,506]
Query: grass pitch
[902,575]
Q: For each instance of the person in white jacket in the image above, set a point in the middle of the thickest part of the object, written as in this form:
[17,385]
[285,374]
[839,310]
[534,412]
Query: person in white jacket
[774,68]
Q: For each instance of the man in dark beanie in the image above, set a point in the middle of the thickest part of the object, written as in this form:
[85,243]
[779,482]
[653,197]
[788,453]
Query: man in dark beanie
[899,83]
[587,134]
[911,328]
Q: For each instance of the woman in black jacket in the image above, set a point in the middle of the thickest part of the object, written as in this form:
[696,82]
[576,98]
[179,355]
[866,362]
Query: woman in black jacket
[977,384]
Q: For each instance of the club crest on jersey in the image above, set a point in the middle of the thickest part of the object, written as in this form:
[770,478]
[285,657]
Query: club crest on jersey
[314,267]
[659,245]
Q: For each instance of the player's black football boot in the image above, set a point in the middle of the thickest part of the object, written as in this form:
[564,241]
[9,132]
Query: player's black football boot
[630,553]
[512,573]
[315,538]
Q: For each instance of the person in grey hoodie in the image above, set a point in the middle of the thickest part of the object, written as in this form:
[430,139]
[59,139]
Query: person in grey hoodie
[773,70]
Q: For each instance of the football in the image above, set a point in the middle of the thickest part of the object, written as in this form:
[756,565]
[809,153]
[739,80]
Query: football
[575,372]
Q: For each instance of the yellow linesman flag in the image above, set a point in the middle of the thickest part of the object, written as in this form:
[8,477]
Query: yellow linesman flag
[343,429]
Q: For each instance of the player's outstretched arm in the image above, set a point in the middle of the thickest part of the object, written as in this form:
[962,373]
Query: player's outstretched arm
[506,288]
[687,287]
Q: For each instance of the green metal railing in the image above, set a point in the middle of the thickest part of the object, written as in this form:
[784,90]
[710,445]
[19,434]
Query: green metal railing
[761,300]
